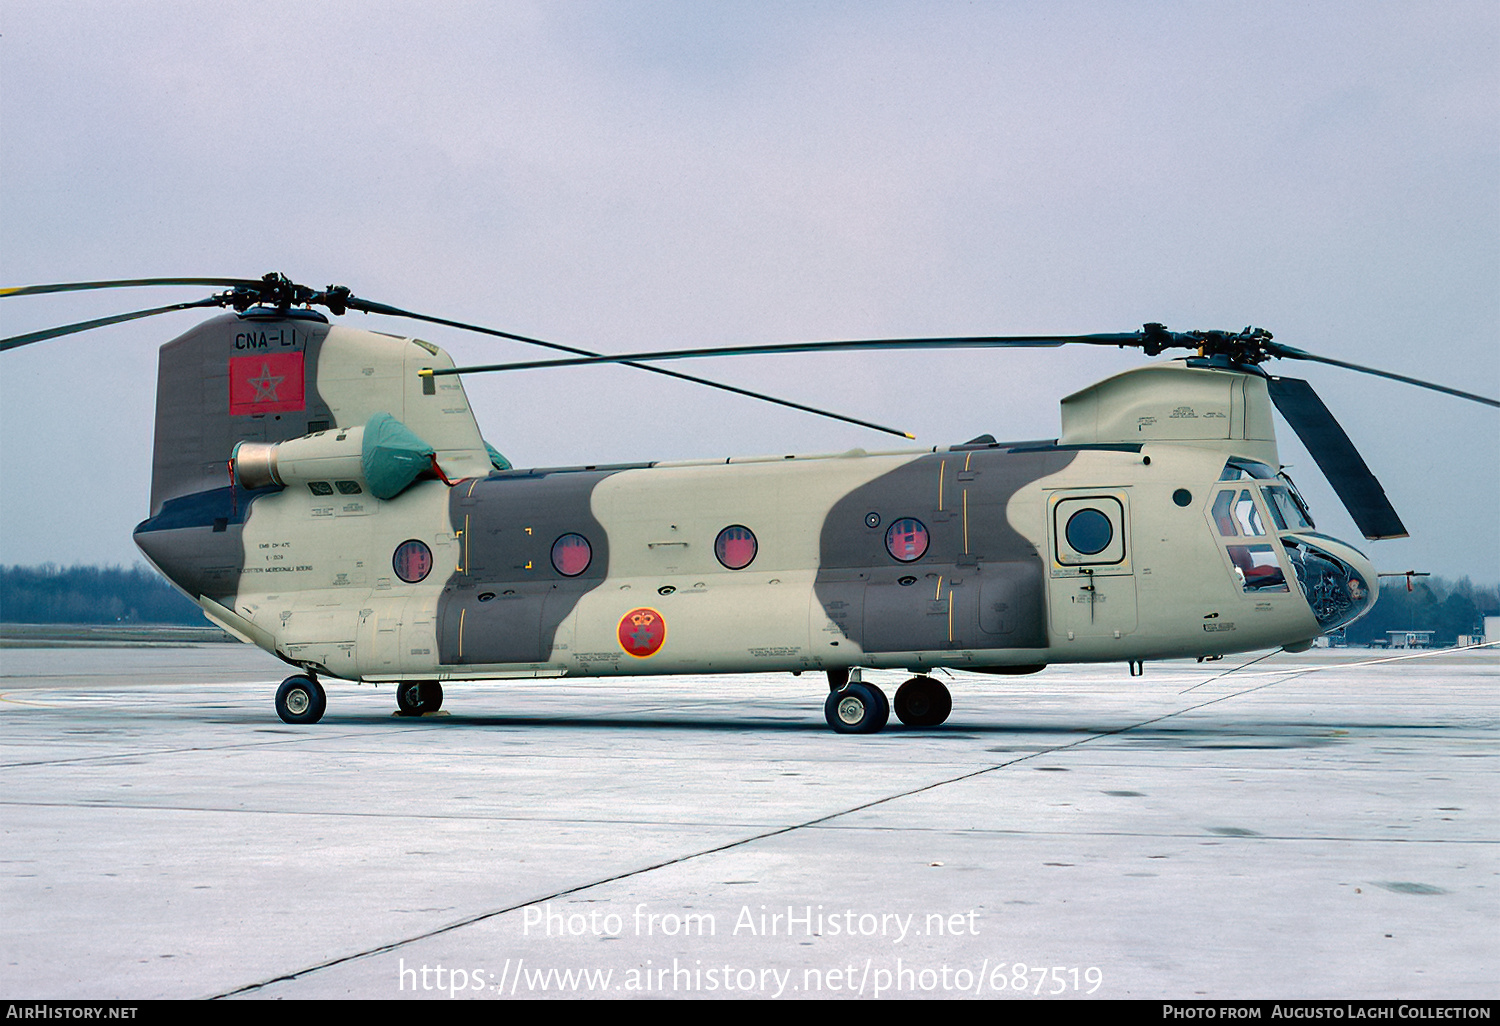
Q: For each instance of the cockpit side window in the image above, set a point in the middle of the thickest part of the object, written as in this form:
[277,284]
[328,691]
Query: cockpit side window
[1257,568]
[1237,516]
[1241,523]
[1223,514]
[1247,515]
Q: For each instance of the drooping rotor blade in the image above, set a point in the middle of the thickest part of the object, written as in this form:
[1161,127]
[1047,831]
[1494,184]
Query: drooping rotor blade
[16,341]
[127,283]
[586,356]
[1337,457]
[1287,352]
[855,345]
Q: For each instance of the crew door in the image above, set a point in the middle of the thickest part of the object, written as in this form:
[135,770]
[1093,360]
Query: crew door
[1092,580]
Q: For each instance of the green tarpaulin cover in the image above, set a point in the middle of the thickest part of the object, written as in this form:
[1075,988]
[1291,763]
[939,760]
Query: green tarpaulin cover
[392,456]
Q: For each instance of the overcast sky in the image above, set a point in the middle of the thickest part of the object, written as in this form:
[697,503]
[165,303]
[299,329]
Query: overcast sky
[639,175]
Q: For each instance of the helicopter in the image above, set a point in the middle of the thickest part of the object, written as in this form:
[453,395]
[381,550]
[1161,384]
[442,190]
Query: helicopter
[324,492]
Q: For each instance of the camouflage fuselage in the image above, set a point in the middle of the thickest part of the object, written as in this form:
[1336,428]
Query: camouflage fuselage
[1000,557]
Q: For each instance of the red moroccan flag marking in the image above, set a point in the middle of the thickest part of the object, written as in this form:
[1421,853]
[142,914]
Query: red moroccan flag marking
[270,383]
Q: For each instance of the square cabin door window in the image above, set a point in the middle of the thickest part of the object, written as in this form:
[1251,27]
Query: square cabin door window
[1089,530]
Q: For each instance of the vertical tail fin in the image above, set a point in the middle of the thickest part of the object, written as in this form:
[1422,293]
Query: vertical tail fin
[271,375]
[238,377]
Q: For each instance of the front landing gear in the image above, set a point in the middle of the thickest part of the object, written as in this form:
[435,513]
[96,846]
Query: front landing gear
[301,699]
[854,707]
[415,697]
[923,702]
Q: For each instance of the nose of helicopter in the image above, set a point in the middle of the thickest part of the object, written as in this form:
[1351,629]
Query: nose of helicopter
[1336,578]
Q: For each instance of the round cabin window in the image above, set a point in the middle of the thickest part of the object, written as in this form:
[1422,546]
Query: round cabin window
[735,547]
[571,555]
[412,561]
[1089,532]
[907,540]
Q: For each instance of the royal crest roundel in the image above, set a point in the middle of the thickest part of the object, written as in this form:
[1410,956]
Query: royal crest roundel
[642,632]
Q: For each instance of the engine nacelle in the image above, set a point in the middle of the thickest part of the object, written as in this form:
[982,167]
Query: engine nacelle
[331,455]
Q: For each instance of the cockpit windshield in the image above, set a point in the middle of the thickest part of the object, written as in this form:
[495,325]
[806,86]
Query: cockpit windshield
[1286,510]
[1291,486]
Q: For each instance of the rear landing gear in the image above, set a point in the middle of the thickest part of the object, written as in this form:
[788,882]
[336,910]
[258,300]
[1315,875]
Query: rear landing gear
[300,699]
[415,697]
[923,702]
[857,708]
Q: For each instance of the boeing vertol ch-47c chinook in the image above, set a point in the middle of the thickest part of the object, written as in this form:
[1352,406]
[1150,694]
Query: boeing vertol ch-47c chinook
[324,493]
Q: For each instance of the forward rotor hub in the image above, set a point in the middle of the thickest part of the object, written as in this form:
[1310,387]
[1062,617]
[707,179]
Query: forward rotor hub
[1248,345]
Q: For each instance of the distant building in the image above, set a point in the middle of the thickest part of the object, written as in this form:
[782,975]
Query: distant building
[1491,627]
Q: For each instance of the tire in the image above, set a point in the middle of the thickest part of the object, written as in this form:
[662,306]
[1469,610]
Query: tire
[923,702]
[857,709]
[415,697]
[300,699]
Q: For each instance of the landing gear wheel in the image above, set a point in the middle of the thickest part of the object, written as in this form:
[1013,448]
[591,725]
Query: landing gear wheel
[857,708]
[923,702]
[300,699]
[415,697]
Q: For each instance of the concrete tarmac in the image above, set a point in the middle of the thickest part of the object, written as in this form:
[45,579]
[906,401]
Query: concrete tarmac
[1315,826]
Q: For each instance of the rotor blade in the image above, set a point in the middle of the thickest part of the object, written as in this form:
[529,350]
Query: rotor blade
[16,341]
[1336,456]
[85,286]
[587,356]
[858,345]
[1287,352]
